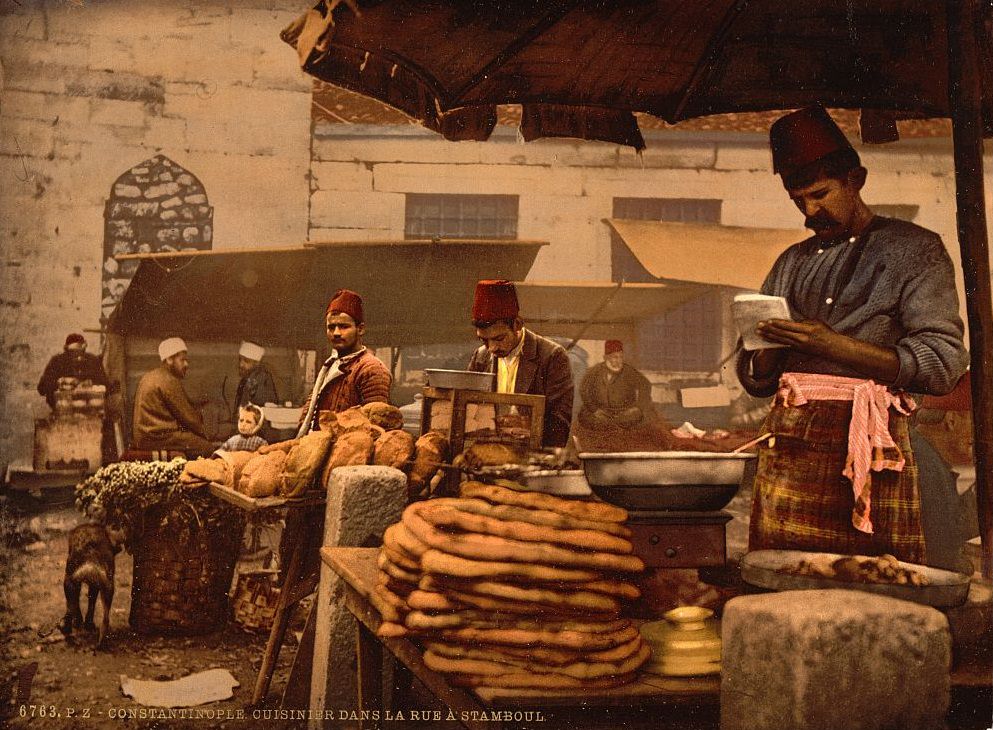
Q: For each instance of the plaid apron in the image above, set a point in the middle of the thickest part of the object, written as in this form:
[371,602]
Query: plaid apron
[802,501]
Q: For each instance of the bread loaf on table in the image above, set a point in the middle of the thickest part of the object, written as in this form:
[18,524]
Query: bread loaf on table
[260,477]
[387,417]
[394,448]
[304,463]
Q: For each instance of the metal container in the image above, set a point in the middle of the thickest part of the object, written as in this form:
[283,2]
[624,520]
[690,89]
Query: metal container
[281,417]
[666,497]
[761,569]
[655,468]
[460,379]
[564,483]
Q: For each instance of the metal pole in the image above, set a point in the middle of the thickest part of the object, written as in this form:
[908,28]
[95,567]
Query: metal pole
[965,102]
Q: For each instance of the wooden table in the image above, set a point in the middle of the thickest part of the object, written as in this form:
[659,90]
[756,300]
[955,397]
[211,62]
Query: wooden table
[357,567]
[296,585]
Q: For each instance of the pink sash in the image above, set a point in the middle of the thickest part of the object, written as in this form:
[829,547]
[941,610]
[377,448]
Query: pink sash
[868,432]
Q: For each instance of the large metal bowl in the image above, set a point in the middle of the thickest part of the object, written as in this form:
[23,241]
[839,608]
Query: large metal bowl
[654,468]
[460,379]
[665,480]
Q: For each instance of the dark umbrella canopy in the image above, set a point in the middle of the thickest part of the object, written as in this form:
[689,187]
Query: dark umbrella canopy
[579,69]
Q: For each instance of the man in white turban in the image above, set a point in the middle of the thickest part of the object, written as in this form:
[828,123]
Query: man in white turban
[256,384]
[164,417]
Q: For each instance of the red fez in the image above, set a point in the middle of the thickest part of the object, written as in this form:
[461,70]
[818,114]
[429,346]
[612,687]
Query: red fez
[612,346]
[495,299]
[345,301]
[75,339]
[803,137]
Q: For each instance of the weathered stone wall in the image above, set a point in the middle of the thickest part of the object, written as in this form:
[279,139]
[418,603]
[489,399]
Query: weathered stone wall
[91,90]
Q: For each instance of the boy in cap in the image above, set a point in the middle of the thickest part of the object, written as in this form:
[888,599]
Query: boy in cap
[874,315]
[164,417]
[250,422]
[523,361]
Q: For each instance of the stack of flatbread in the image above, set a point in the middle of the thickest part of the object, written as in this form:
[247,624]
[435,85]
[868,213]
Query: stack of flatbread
[509,588]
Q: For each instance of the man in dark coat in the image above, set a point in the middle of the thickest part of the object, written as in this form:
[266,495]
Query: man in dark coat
[256,384]
[615,395]
[522,361]
[72,362]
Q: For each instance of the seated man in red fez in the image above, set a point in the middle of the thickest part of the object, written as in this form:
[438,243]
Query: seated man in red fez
[352,376]
[523,361]
[874,315]
[615,394]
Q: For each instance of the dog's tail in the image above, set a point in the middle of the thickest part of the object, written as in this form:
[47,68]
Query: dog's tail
[91,574]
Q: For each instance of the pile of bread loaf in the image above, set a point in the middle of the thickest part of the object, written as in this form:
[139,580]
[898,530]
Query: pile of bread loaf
[369,434]
[516,589]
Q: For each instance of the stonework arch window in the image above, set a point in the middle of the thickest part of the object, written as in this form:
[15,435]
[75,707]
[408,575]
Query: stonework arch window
[155,206]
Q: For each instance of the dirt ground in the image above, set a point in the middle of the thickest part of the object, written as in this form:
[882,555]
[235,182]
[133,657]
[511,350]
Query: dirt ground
[47,681]
[81,686]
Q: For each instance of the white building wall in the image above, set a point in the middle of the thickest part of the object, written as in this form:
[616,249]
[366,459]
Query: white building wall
[566,187]
[90,90]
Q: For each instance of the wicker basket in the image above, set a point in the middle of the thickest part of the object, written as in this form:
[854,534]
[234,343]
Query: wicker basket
[254,601]
[181,577]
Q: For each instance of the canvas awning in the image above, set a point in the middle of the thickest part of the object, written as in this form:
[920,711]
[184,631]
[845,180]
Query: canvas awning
[414,292]
[597,310]
[706,254]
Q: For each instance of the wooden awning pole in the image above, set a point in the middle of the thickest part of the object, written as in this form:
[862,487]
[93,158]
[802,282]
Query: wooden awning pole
[965,101]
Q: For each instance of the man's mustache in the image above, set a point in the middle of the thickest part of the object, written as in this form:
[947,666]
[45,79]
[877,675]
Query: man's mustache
[817,222]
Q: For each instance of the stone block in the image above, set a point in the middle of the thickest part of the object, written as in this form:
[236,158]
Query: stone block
[26,138]
[828,659]
[362,501]
[353,176]
[114,112]
[340,143]
[162,191]
[753,156]
[477,179]
[127,191]
[339,209]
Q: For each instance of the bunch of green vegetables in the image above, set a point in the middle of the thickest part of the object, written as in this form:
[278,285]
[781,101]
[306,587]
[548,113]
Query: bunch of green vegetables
[122,495]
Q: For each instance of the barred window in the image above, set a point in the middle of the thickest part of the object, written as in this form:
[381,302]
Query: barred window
[461,216]
[689,337]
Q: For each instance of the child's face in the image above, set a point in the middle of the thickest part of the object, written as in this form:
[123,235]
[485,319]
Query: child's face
[247,422]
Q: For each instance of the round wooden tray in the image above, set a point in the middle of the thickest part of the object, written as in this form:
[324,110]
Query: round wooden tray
[760,568]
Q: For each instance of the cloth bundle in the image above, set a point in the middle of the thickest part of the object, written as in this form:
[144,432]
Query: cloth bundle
[510,588]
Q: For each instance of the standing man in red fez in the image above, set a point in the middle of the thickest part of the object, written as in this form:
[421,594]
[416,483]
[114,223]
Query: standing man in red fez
[523,361]
[615,394]
[875,315]
[352,376]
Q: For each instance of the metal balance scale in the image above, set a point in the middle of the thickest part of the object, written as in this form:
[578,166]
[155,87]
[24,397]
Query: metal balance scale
[675,501]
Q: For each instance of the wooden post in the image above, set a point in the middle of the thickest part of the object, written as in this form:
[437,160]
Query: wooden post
[965,103]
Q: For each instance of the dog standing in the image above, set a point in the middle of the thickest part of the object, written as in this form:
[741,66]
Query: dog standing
[92,552]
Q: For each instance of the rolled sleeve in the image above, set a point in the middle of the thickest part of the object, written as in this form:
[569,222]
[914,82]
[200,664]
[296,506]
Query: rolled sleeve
[932,355]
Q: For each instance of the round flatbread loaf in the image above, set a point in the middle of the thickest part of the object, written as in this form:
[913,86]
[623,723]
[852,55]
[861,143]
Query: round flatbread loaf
[577,670]
[587,510]
[527,549]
